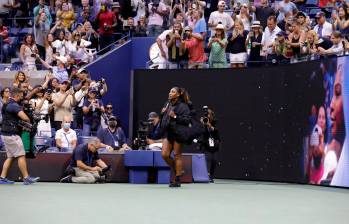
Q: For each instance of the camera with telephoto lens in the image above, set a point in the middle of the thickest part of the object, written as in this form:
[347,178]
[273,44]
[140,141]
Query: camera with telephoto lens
[205,117]
[140,142]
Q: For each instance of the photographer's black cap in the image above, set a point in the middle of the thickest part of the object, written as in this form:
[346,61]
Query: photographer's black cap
[112,118]
[152,115]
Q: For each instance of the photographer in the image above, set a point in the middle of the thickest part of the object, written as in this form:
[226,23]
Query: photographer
[154,135]
[113,137]
[86,164]
[41,106]
[210,140]
[92,110]
[12,114]
[157,10]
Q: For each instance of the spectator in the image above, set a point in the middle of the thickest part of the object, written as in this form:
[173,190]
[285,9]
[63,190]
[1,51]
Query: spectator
[323,28]
[53,84]
[50,50]
[92,110]
[66,15]
[296,39]
[138,7]
[176,54]
[66,138]
[5,95]
[262,12]
[63,104]
[105,20]
[129,28]
[282,48]
[41,106]
[5,42]
[237,45]
[27,53]
[337,48]
[43,8]
[141,28]
[177,9]
[5,7]
[310,46]
[286,23]
[286,6]
[200,24]
[218,43]
[58,29]
[59,71]
[244,16]
[119,23]
[220,16]
[106,115]
[78,49]
[80,96]
[193,43]
[255,39]
[82,162]
[20,78]
[302,20]
[84,12]
[157,10]
[341,21]
[269,37]
[113,137]
[41,28]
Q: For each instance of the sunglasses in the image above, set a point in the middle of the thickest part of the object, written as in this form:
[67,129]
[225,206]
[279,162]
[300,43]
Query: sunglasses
[109,108]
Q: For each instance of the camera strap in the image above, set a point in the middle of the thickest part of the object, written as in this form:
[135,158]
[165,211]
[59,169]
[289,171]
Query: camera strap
[65,135]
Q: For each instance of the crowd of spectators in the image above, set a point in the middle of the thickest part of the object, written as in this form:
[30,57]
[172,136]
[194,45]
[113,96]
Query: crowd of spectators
[249,31]
[65,108]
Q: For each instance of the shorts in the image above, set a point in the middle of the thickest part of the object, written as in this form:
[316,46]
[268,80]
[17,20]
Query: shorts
[239,58]
[13,146]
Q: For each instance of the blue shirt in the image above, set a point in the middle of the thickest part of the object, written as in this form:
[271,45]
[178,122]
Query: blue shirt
[60,73]
[94,115]
[83,154]
[200,26]
[114,139]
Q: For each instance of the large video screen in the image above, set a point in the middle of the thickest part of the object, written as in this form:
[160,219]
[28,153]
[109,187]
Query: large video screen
[278,123]
[326,143]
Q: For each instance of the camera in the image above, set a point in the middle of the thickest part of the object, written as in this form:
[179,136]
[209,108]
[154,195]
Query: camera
[177,2]
[101,80]
[83,34]
[185,36]
[78,42]
[33,55]
[54,50]
[140,142]
[205,117]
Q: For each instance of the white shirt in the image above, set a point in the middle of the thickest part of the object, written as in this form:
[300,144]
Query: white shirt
[138,5]
[268,38]
[66,137]
[156,18]
[327,29]
[330,162]
[223,17]
[337,49]
[79,53]
[60,47]
[162,37]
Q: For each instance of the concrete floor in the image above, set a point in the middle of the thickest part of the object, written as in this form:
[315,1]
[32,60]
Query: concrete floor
[222,202]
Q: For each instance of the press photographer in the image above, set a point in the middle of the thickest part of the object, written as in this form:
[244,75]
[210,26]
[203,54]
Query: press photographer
[210,140]
[12,115]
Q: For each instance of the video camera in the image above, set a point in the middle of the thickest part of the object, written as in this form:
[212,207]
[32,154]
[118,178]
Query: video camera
[140,142]
[205,116]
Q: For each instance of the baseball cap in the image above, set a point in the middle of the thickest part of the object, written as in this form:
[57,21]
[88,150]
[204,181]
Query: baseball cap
[187,28]
[221,3]
[152,115]
[319,14]
[112,118]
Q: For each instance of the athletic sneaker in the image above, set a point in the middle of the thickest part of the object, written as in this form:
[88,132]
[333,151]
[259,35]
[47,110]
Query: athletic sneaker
[30,180]
[6,181]
[67,179]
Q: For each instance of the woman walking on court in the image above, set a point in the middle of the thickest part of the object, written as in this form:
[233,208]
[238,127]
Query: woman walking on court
[175,114]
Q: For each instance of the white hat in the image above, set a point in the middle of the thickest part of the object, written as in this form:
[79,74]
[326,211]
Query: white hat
[221,3]
[220,27]
[256,24]
[63,59]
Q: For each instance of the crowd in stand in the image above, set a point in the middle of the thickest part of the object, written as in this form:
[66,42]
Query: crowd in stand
[68,107]
[238,33]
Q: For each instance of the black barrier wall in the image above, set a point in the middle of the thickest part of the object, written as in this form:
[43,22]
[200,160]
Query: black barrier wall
[261,113]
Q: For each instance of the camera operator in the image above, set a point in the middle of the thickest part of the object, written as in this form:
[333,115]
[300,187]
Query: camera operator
[210,140]
[12,113]
[113,137]
[154,135]
[86,165]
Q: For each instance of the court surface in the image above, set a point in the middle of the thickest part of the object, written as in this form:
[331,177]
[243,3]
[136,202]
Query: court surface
[225,201]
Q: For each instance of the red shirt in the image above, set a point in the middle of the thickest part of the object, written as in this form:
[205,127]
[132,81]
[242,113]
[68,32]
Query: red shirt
[4,34]
[195,50]
[105,18]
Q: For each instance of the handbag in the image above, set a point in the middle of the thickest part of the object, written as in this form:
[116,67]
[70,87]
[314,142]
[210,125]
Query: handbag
[187,133]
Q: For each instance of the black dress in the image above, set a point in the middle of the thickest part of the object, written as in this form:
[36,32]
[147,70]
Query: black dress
[169,125]
[255,54]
